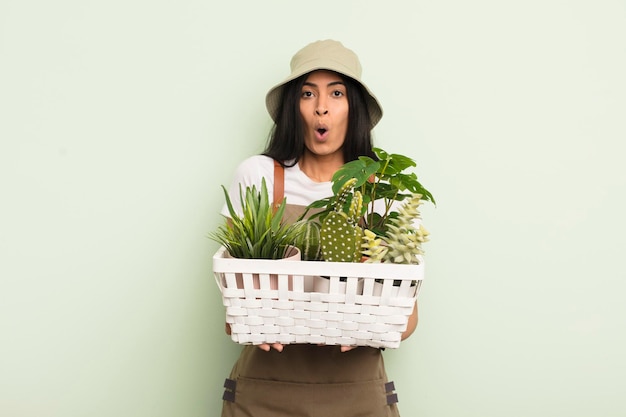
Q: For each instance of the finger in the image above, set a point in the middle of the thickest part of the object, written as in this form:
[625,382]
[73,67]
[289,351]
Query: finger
[347,348]
[265,347]
[278,347]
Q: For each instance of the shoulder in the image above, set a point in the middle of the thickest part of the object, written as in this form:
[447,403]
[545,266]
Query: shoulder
[252,169]
[256,163]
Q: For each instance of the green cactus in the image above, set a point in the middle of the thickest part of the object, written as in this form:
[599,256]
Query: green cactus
[308,241]
[340,233]
[355,215]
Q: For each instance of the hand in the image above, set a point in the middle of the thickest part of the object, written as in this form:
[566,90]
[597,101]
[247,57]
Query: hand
[279,347]
[266,346]
[343,348]
[263,346]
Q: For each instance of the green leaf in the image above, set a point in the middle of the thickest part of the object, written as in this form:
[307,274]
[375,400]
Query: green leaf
[258,232]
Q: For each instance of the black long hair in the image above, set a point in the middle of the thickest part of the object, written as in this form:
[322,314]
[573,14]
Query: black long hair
[286,140]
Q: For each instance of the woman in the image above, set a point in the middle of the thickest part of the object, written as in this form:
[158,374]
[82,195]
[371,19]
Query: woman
[323,118]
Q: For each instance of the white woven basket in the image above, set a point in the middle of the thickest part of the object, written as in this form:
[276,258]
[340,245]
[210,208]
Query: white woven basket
[270,301]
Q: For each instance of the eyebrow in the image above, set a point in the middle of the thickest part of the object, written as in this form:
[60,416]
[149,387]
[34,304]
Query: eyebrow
[329,84]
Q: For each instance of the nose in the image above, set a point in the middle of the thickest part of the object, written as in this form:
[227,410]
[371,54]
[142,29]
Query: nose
[320,108]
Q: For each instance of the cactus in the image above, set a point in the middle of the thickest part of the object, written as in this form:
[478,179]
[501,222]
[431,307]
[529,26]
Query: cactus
[373,247]
[308,241]
[342,240]
[403,242]
[340,233]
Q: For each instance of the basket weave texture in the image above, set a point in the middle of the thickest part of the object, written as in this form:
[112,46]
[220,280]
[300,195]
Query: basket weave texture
[276,301]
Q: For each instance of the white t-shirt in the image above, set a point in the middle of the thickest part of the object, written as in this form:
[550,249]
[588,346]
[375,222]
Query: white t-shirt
[299,189]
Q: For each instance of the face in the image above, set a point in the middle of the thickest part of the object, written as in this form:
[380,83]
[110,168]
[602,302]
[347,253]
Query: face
[324,109]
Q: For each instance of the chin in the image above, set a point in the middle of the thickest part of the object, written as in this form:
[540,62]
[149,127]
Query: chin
[323,148]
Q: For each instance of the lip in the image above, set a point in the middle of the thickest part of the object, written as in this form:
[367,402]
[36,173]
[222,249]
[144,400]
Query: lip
[321,131]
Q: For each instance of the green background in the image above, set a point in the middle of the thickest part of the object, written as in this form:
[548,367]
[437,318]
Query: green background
[119,120]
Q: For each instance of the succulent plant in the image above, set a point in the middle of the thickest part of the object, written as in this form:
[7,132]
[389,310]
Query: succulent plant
[340,233]
[258,232]
[373,247]
[403,239]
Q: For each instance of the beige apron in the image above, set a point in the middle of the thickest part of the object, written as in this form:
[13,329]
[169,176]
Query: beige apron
[307,380]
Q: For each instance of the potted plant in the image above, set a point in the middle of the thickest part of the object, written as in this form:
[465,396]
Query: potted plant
[373,211]
[258,232]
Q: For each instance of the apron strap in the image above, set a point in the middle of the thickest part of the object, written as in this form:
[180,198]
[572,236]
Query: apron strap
[279,185]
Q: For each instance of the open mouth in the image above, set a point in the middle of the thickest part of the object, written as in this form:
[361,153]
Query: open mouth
[321,131]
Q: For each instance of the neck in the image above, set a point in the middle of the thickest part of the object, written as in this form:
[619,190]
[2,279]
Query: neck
[320,168]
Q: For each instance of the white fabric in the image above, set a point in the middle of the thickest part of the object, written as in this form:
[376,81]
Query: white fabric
[299,189]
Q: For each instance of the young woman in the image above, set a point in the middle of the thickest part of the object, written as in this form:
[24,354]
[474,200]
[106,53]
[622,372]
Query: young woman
[323,116]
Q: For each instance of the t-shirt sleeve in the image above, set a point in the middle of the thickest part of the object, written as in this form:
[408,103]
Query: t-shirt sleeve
[250,172]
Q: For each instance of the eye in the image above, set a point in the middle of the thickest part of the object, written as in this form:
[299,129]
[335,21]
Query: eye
[338,93]
[307,94]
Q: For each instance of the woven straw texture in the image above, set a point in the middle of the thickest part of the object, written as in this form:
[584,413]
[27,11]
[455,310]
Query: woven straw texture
[331,303]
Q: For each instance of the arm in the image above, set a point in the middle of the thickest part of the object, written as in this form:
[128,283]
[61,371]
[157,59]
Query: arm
[412,324]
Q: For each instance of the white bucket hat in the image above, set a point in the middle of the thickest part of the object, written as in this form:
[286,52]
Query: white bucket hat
[328,55]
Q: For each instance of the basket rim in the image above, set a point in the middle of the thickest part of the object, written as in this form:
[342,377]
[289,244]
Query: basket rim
[348,269]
